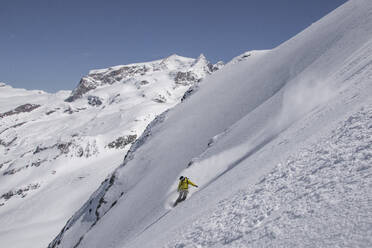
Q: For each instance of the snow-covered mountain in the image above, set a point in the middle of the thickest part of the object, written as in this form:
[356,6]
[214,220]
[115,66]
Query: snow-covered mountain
[56,149]
[279,144]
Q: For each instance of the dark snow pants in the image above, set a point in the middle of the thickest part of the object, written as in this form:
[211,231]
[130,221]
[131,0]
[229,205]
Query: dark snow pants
[182,196]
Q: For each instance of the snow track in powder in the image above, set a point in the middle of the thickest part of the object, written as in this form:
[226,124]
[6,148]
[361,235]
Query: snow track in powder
[310,197]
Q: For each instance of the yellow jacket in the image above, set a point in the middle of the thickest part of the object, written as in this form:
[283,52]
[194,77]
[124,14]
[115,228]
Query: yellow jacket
[184,184]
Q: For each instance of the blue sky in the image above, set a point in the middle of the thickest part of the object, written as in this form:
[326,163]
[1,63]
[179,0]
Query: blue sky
[51,44]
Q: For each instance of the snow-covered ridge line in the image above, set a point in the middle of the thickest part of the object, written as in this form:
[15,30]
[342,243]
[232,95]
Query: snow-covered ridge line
[183,70]
[117,67]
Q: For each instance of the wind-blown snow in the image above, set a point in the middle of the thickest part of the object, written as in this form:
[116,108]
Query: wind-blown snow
[316,197]
[289,106]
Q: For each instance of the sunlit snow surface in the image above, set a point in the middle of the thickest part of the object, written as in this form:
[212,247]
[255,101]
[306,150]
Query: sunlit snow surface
[279,145]
[319,196]
[54,154]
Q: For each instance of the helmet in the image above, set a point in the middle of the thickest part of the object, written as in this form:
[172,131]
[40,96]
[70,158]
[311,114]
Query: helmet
[181,178]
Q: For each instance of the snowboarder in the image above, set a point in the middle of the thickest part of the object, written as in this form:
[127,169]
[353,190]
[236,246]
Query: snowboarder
[183,189]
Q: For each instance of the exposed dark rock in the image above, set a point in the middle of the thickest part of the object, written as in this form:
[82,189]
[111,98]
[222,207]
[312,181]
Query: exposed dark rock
[102,199]
[117,75]
[50,112]
[111,76]
[215,67]
[94,101]
[37,163]
[21,191]
[80,152]
[114,203]
[186,78]
[139,84]
[68,110]
[7,195]
[189,92]
[39,149]
[85,85]
[211,67]
[20,109]
[12,171]
[160,99]
[18,125]
[64,147]
[26,108]
[122,141]
[190,163]
[86,211]
[242,57]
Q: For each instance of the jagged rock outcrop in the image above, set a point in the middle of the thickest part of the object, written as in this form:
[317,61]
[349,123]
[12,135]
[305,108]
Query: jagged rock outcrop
[187,72]
[22,192]
[122,141]
[186,78]
[94,101]
[28,107]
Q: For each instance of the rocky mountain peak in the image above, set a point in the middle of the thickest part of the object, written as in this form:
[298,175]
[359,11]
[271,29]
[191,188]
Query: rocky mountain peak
[176,62]
[203,67]
[202,58]
[187,70]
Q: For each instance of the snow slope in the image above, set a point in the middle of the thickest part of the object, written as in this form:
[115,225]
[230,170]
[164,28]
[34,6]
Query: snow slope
[279,144]
[57,148]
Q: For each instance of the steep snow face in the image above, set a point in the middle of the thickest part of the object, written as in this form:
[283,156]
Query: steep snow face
[54,153]
[318,196]
[230,135]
